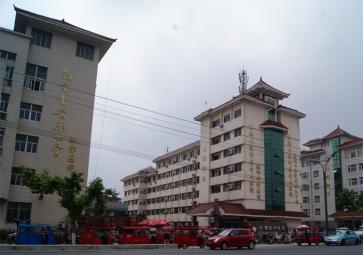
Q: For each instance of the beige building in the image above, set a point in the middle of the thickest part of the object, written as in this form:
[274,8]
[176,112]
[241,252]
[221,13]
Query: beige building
[344,170]
[247,165]
[48,68]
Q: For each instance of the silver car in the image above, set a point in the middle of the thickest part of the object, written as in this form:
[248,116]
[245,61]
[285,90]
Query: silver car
[342,237]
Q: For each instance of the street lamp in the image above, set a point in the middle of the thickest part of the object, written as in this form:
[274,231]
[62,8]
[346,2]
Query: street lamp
[324,166]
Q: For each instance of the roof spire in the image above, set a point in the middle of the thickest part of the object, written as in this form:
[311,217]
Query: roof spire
[260,78]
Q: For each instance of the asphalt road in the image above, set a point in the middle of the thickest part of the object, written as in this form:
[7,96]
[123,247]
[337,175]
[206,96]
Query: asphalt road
[259,250]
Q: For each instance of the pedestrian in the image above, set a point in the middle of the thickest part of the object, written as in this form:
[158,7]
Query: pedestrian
[167,233]
[152,232]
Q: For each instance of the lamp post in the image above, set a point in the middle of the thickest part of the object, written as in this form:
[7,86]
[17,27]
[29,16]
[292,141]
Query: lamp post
[324,166]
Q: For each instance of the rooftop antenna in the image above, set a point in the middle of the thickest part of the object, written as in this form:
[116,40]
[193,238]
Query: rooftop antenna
[166,149]
[243,80]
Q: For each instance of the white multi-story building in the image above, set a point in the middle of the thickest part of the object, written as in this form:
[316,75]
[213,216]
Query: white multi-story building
[341,172]
[247,166]
[45,64]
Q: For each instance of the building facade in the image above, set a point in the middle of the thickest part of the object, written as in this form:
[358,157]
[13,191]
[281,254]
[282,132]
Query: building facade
[342,152]
[248,165]
[48,68]
[168,191]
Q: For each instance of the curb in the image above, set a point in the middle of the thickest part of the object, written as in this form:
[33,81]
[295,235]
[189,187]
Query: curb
[85,247]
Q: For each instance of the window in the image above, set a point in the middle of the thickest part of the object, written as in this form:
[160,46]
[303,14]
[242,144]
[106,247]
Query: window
[226,136]
[232,186]
[4,100]
[360,180]
[237,132]
[237,113]
[30,111]
[215,188]
[2,132]
[360,166]
[216,172]
[304,175]
[216,123]
[317,199]
[227,152]
[7,63]
[238,167]
[352,168]
[306,211]
[317,211]
[226,118]
[35,77]
[353,181]
[351,154]
[26,143]
[41,38]
[237,149]
[316,185]
[305,200]
[316,173]
[271,114]
[85,50]
[16,173]
[216,156]
[216,140]
[305,187]
[18,211]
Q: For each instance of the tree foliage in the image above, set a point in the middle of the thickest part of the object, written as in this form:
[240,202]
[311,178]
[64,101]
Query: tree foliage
[349,200]
[69,189]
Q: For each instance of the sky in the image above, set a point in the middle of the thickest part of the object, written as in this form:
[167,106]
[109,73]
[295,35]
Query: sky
[182,57]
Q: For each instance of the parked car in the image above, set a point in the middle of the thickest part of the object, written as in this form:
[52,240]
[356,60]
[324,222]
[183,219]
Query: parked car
[342,237]
[233,237]
[360,233]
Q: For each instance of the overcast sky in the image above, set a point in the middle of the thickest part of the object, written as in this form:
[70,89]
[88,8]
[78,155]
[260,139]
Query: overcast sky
[180,57]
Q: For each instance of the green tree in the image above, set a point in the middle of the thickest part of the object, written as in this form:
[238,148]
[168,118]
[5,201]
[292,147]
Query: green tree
[349,200]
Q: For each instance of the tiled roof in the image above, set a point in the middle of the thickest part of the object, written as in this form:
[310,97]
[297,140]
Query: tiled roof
[341,214]
[355,142]
[239,209]
[308,154]
[270,123]
[174,152]
[61,22]
[143,172]
[261,84]
[290,110]
[335,133]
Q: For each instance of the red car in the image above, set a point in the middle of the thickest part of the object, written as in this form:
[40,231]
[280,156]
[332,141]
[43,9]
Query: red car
[233,237]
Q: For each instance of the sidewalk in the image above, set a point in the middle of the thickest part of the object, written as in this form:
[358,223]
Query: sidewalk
[69,247]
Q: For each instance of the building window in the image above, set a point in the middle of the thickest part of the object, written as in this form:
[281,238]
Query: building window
[316,173]
[35,77]
[305,200]
[226,136]
[360,166]
[304,175]
[351,154]
[30,111]
[232,186]
[317,199]
[353,181]
[85,50]
[216,172]
[271,114]
[26,143]
[4,101]
[237,113]
[41,38]
[305,187]
[7,63]
[352,168]
[18,211]
[317,211]
[237,149]
[215,188]
[237,132]
[306,211]
[216,123]
[216,140]
[16,173]
[361,180]
[2,132]
[216,156]
[316,186]
[226,118]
